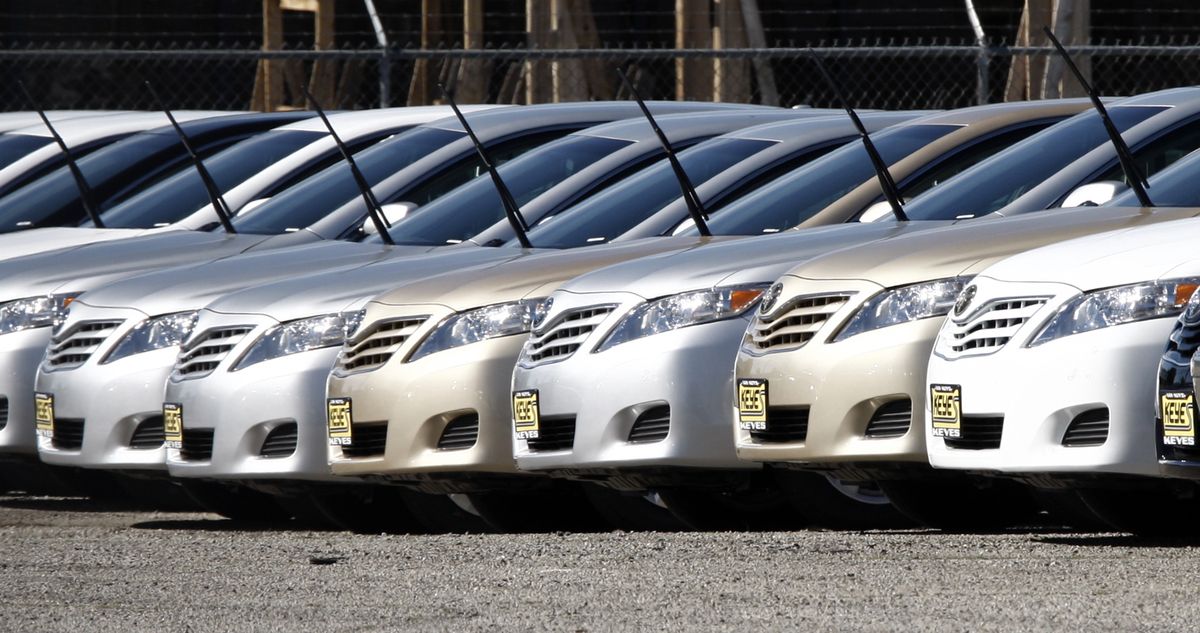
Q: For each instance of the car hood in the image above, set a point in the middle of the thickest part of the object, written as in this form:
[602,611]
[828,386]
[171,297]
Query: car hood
[92,265]
[351,288]
[1109,259]
[190,287]
[969,247]
[35,241]
[534,276]
[750,260]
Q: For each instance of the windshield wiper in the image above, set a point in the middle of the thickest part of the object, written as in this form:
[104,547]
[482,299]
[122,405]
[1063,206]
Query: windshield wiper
[86,197]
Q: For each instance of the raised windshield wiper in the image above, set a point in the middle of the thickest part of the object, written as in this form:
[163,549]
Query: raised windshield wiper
[373,208]
[511,210]
[691,199]
[214,193]
[86,197]
[890,191]
[1137,181]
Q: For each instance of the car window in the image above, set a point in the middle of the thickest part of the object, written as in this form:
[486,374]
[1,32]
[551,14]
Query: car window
[1178,186]
[16,146]
[1160,153]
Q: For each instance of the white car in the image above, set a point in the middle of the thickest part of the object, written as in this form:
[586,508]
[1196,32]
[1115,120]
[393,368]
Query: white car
[1045,369]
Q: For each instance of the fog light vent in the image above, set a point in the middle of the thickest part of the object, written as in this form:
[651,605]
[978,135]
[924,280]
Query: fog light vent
[784,424]
[1089,428]
[148,434]
[462,432]
[891,420]
[281,441]
[652,425]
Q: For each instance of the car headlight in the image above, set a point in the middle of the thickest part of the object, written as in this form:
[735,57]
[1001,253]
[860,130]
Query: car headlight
[34,312]
[301,335]
[903,304]
[1114,306]
[472,326]
[682,310]
[168,330]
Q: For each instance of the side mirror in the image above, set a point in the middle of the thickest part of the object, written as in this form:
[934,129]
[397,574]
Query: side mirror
[877,211]
[250,206]
[393,212]
[1094,194]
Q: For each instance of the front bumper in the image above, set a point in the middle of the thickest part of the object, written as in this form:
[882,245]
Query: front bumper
[20,353]
[1039,391]
[683,374]
[844,385]
[418,400]
[243,409]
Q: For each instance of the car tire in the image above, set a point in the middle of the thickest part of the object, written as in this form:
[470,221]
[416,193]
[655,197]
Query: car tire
[235,502]
[370,509]
[631,512]
[441,515]
[1153,512]
[755,509]
[833,504]
[561,507]
[963,504]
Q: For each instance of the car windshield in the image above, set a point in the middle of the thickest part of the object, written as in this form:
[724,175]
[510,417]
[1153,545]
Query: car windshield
[312,199]
[184,193]
[15,146]
[1004,177]
[801,194]
[616,210]
[54,199]
[1178,186]
[475,206]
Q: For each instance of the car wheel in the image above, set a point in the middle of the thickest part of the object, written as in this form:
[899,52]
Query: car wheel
[963,504]
[1155,512]
[442,515]
[235,502]
[369,509]
[765,508]
[561,507]
[632,511]
[832,503]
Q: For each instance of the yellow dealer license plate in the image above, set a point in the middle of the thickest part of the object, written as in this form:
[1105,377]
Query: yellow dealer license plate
[752,404]
[338,417]
[43,413]
[1178,418]
[945,401]
[526,414]
[172,425]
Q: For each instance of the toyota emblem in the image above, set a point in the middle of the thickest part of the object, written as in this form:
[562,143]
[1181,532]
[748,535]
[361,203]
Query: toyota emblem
[964,300]
[770,297]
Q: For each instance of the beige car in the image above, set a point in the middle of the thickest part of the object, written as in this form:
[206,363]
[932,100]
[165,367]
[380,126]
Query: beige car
[832,368]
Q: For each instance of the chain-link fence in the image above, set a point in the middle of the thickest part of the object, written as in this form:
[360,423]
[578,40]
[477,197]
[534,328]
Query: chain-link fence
[903,76]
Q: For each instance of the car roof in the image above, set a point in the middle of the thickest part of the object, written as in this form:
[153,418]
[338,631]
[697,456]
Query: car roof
[83,129]
[503,120]
[366,120]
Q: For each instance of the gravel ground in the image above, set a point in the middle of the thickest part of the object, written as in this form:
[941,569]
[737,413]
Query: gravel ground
[72,566]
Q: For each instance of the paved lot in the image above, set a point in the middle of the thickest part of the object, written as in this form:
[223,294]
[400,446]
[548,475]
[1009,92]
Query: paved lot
[69,565]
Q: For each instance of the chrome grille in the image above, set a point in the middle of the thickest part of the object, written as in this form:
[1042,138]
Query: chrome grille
[559,338]
[74,345]
[376,344]
[989,328]
[796,324]
[200,355]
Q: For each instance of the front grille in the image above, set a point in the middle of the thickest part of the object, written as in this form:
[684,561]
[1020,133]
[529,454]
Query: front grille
[368,439]
[281,441]
[3,412]
[652,425]
[794,325]
[148,434]
[563,335]
[74,345]
[197,445]
[891,420]
[989,328]
[68,433]
[376,344]
[784,424]
[554,434]
[978,432]
[462,432]
[1089,428]
[200,355]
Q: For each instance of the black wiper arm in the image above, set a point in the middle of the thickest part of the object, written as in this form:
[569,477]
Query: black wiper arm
[1137,181]
[511,210]
[694,206]
[374,209]
[86,197]
[214,193]
[890,191]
